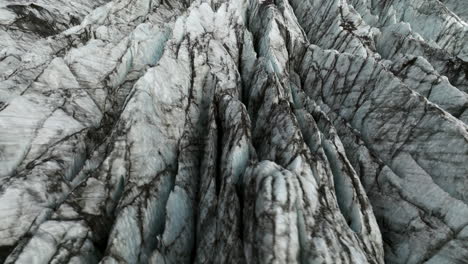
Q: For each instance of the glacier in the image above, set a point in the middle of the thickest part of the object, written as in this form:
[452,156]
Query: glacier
[246,131]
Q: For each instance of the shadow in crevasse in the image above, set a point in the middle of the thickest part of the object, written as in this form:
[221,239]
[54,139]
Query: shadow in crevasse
[5,252]
[33,18]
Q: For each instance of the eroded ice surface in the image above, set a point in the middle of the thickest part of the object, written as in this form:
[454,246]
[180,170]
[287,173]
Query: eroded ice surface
[250,131]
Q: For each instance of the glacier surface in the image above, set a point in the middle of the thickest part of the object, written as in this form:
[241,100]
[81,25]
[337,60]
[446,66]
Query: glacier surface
[243,131]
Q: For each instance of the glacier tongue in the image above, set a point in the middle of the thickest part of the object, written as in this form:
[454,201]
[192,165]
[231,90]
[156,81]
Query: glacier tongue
[249,131]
